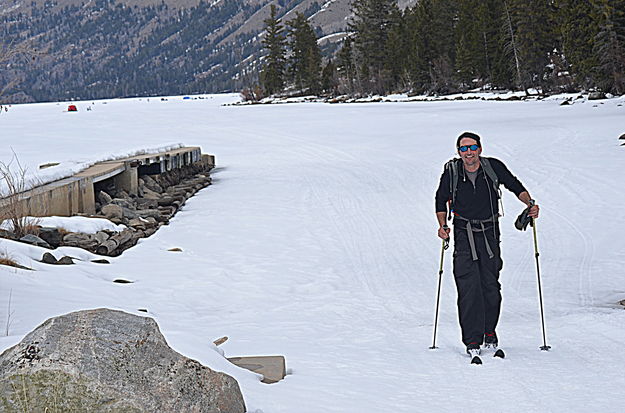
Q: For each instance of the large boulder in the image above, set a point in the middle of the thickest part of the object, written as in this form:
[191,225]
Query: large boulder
[51,235]
[34,240]
[108,361]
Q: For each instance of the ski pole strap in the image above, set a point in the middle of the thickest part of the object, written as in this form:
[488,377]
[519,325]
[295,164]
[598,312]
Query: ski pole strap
[471,229]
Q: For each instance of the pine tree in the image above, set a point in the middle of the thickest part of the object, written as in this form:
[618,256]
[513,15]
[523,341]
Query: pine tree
[479,44]
[346,67]
[495,62]
[305,58]
[433,45]
[371,25]
[609,45]
[273,72]
[533,39]
[421,51]
[329,80]
[396,57]
[577,30]
[469,50]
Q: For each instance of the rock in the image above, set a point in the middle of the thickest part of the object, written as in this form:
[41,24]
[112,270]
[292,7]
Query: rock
[48,258]
[166,201]
[143,203]
[149,194]
[104,198]
[7,234]
[596,96]
[101,236]
[65,261]
[137,223]
[122,281]
[101,261]
[147,213]
[109,361]
[122,194]
[112,211]
[168,210]
[34,240]
[129,213]
[119,221]
[80,240]
[116,240]
[149,232]
[150,222]
[151,184]
[51,235]
[124,203]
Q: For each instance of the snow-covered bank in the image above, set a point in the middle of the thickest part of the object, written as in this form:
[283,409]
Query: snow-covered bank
[317,240]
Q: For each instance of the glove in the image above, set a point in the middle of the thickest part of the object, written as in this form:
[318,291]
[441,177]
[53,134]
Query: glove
[523,220]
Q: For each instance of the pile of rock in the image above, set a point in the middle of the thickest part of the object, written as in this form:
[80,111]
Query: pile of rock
[159,198]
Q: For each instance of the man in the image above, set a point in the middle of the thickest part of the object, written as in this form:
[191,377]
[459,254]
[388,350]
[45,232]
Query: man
[470,186]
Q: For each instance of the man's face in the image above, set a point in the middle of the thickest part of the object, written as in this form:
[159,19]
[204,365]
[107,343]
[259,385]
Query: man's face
[470,156]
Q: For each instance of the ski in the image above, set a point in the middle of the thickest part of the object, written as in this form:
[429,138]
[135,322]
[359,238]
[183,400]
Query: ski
[475,356]
[476,360]
[499,353]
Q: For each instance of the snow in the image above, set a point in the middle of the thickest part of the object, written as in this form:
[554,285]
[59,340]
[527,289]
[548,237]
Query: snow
[70,224]
[318,241]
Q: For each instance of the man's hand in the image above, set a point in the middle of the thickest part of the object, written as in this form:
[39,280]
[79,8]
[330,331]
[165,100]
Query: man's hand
[531,204]
[443,232]
[534,211]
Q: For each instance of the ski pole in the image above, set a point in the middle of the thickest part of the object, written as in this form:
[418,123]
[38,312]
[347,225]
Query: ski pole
[544,347]
[440,280]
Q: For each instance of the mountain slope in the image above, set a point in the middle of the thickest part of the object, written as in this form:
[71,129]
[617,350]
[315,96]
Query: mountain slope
[108,48]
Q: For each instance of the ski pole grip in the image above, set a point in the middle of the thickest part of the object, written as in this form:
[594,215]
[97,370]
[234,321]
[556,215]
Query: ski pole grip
[446,240]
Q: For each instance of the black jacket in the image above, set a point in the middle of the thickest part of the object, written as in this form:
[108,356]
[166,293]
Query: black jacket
[479,202]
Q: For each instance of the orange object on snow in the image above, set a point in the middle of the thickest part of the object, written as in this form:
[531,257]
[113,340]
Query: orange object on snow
[72,108]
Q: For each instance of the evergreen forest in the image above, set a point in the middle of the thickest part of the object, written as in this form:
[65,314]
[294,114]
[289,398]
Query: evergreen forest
[447,46]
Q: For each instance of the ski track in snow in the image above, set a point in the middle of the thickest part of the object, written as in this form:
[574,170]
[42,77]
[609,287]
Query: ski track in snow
[318,241]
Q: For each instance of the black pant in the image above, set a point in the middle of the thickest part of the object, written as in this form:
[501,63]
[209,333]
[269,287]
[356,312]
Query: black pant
[477,282]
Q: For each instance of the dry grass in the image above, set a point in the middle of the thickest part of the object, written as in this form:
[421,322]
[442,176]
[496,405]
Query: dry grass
[62,231]
[13,182]
[31,227]
[6,259]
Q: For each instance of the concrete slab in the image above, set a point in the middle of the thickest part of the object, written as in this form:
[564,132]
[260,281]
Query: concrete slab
[102,171]
[273,368]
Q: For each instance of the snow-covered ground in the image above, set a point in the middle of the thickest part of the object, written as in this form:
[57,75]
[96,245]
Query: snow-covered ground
[318,241]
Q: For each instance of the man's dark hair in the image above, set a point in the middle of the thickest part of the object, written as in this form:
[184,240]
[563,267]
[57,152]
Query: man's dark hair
[471,135]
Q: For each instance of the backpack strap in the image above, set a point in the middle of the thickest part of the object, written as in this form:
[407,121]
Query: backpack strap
[490,172]
[452,166]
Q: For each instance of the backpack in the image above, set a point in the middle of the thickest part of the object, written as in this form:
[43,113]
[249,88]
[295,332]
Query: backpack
[454,166]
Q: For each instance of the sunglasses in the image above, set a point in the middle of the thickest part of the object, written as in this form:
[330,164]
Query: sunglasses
[465,148]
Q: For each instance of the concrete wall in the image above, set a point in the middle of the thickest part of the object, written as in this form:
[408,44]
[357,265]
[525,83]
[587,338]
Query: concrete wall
[128,180]
[66,197]
[74,195]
